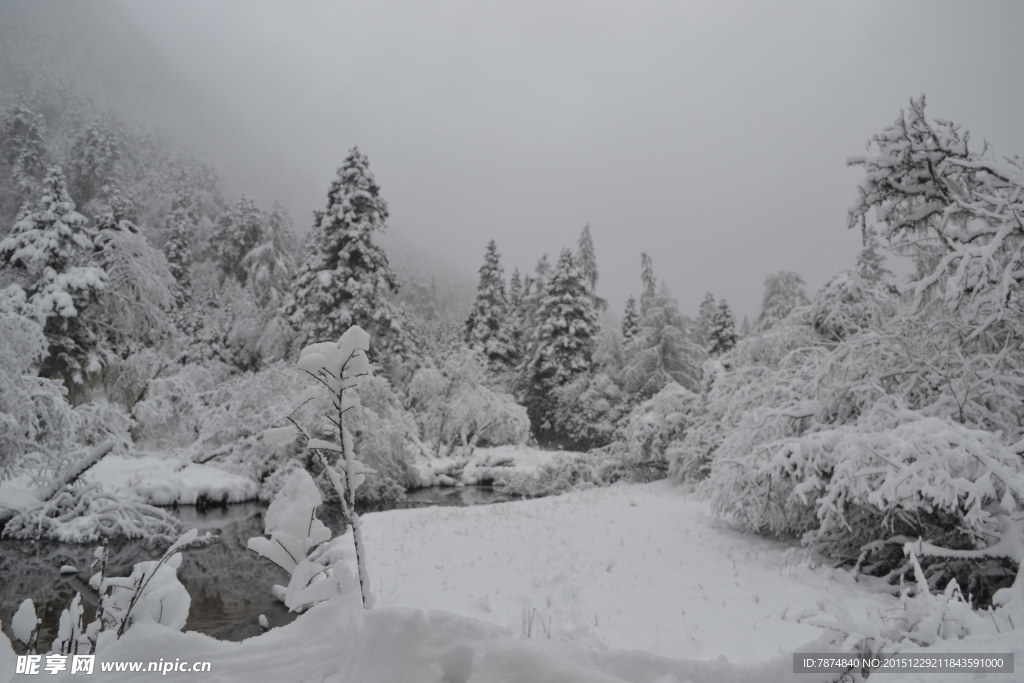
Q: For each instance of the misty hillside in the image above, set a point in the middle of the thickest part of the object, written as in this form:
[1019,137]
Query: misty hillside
[61,54]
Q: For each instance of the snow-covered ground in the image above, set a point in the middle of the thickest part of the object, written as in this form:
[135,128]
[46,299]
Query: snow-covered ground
[637,567]
[626,583]
[166,480]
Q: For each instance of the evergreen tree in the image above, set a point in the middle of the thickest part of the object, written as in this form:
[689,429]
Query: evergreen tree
[587,261]
[661,350]
[783,291]
[487,327]
[237,232]
[650,283]
[562,344]
[22,152]
[630,320]
[345,277]
[722,332]
[93,160]
[53,249]
[705,314]
[181,237]
[515,293]
[870,261]
[270,265]
[534,291]
[745,328]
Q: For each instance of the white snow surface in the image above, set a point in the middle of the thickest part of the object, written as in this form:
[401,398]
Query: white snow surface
[165,480]
[638,567]
[633,583]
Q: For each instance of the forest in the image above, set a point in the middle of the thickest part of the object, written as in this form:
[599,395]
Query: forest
[150,317]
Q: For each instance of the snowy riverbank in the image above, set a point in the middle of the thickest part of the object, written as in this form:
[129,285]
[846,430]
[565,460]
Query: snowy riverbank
[626,583]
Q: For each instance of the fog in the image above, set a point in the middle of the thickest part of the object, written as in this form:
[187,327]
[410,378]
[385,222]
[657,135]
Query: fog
[713,136]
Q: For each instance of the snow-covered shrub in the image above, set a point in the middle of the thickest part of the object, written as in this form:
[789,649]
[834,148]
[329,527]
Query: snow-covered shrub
[566,472]
[36,421]
[168,416]
[382,432]
[925,617]
[588,410]
[99,421]
[455,409]
[892,473]
[294,533]
[84,514]
[655,424]
[152,593]
[848,304]
[339,367]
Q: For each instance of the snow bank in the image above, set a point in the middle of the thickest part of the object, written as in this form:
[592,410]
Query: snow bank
[484,466]
[166,480]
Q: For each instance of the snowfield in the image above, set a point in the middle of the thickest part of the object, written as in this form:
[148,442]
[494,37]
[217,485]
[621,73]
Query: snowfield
[630,567]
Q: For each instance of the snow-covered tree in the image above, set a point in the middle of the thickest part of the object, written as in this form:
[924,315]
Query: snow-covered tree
[23,155]
[705,314]
[93,161]
[345,278]
[587,260]
[783,291]
[488,325]
[722,330]
[139,290]
[562,342]
[270,265]
[515,293]
[237,232]
[181,237]
[870,260]
[630,320]
[955,209]
[455,409]
[52,247]
[650,282]
[661,351]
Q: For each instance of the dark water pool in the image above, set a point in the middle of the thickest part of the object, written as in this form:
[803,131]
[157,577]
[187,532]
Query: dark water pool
[229,584]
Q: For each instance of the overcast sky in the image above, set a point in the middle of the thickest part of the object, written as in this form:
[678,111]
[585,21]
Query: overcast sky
[713,136]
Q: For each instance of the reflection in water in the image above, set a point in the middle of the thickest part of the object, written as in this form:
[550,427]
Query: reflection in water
[229,584]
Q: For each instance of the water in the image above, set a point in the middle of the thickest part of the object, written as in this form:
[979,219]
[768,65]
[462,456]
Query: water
[229,584]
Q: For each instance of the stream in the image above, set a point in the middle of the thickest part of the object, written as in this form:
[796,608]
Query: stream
[229,584]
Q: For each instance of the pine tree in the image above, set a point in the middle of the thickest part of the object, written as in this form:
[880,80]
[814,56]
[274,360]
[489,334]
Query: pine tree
[53,247]
[783,291]
[650,283]
[515,293]
[661,350]
[181,237]
[722,332]
[22,137]
[270,265]
[705,314]
[630,320]
[93,160]
[237,232]
[870,261]
[345,277]
[587,261]
[487,327]
[562,344]
[534,291]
